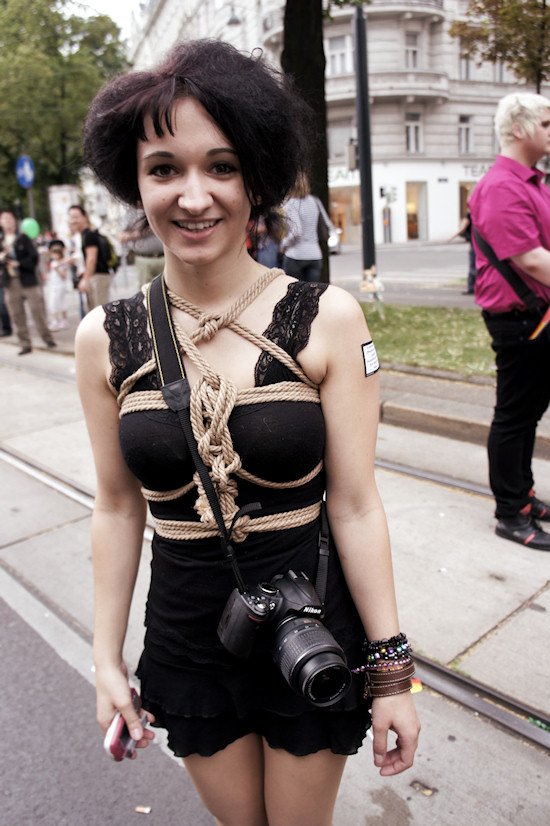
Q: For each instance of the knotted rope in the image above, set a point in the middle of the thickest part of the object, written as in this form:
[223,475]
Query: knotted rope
[213,398]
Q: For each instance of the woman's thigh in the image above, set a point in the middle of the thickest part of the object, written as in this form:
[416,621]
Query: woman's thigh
[231,782]
[301,790]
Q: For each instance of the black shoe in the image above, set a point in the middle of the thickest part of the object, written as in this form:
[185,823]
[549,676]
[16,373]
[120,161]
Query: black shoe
[24,351]
[539,510]
[51,344]
[522,528]
[5,333]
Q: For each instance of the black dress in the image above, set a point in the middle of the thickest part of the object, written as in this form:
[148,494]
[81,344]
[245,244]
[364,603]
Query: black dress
[201,694]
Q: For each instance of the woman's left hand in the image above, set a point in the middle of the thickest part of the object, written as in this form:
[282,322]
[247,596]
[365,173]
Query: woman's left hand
[396,713]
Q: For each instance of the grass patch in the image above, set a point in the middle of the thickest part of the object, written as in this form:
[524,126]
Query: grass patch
[439,338]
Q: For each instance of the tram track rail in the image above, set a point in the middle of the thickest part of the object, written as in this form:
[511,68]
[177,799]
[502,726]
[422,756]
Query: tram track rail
[504,711]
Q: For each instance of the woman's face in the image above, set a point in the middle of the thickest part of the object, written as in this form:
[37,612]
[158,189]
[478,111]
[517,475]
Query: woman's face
[192,188]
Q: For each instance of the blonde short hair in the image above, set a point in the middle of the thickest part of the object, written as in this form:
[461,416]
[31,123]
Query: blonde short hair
[523,108]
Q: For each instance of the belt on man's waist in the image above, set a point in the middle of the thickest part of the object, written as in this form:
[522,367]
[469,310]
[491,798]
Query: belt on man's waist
[149,254]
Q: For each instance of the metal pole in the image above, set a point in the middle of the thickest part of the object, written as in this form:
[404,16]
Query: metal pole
[30,201]
[363,138]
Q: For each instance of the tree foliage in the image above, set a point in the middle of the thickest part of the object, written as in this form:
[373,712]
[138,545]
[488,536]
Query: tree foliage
[512,31]
[51,65]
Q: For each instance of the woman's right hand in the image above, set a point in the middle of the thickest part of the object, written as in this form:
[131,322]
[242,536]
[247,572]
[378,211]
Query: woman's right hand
[113,695]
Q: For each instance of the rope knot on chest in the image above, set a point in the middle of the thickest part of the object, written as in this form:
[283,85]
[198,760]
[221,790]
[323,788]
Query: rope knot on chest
[208,326]
[213,398]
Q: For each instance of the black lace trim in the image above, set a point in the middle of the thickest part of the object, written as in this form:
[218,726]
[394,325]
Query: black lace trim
[130,345]
[290,328]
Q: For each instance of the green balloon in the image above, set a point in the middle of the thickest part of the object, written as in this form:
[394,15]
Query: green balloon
[30,227]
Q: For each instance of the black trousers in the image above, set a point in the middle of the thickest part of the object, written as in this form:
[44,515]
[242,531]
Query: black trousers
[522,397]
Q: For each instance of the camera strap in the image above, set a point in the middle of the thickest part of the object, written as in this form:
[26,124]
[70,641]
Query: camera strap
[177,395]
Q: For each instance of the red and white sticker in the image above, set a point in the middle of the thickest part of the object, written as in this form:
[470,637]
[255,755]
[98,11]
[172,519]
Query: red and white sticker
[372,365]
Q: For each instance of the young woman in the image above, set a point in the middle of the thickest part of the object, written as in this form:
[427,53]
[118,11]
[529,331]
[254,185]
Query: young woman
[284,406]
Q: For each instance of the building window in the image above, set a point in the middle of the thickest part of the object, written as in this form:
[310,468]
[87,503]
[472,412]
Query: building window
[498,72]
[339,134]
[411,50]
[413,132]
[339,58]
[464,135]
[465,66]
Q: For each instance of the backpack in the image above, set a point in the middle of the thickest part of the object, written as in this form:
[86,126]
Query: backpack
[107,253]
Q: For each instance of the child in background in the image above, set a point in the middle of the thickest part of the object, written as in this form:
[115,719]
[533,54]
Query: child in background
[57,285]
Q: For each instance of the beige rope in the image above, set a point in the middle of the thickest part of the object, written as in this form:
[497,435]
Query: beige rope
[213,398]
[174,529]
[166,495]
[288,391]
[249,477]
[149,367]
[170,495]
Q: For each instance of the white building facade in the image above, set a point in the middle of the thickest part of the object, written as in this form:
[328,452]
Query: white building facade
[431,110]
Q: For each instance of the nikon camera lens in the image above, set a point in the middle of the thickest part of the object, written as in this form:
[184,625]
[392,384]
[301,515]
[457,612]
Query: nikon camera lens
[311,661]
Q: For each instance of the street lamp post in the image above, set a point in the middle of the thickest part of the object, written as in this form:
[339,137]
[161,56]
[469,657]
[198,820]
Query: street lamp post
[370,283]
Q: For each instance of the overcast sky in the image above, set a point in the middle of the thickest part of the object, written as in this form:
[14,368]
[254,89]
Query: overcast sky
[118,10]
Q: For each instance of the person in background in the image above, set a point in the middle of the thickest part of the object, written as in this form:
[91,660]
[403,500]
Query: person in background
[95,281]
[148,250]
[510,208]
[206,142]
[465,231]
[302,254]
[267,247]
[58,280]
[5,320]
[20,281]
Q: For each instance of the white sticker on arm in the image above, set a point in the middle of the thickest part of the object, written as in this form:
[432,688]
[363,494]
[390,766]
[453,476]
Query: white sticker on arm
[372,365]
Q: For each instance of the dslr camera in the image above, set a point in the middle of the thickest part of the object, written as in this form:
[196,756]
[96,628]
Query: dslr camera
[306,653]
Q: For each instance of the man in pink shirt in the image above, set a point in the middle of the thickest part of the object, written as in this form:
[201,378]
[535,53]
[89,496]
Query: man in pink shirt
[510,208]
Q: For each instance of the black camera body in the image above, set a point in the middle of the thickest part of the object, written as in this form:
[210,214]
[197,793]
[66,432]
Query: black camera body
[308,656]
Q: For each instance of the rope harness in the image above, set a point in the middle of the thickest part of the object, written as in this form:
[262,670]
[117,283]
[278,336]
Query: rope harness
[213,398]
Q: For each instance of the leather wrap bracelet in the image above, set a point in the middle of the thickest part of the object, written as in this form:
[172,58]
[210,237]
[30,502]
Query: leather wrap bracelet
[385,683]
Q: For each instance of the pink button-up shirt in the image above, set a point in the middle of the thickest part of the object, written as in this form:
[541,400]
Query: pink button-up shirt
[510,208]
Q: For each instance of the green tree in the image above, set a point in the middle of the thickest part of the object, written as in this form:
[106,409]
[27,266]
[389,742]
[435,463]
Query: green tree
[51,65]
[512,31]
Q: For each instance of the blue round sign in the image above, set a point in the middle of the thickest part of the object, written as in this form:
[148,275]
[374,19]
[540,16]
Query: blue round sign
[24,171]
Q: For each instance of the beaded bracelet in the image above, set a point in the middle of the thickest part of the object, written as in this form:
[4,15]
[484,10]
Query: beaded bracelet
[387,649]
[382,666]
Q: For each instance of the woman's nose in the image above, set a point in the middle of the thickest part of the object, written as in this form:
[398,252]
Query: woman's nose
[195,195]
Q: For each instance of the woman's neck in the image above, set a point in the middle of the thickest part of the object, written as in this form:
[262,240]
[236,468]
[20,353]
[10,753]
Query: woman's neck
[213,287]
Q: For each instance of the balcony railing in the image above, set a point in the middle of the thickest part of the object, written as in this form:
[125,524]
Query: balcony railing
[420,85]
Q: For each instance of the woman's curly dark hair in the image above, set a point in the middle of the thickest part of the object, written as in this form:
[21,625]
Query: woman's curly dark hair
[254,105]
